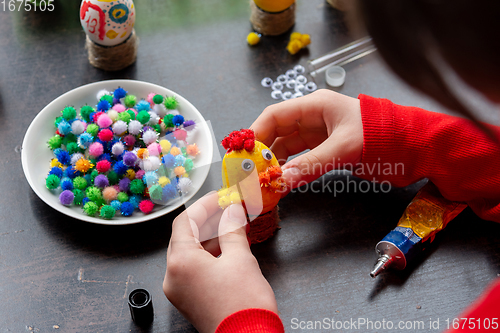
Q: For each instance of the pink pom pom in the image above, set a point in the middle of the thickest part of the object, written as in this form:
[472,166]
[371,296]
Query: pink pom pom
[154,149]
[103,166]
[129,140]
[139,174]
[104,121]
[96,149]
[105,135]
[117,188]
[150,98]
[135,111]
[146,206]
[119,107]
[109,193]
[180,134]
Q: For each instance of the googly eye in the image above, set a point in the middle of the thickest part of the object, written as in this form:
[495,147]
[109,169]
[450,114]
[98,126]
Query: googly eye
[298,94]
[247,165]
[290,74]
[266,82]
[299,69]
[277,86]
[276,94]
[267,155]
[282,78]
[301,79]
[300,88]
[291,84]
[287,95]
[311,86]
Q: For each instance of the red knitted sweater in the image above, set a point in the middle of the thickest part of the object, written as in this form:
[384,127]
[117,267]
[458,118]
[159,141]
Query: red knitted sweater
[452,152]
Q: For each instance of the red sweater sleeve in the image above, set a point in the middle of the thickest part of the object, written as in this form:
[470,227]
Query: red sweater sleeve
[251,321]
[403,145]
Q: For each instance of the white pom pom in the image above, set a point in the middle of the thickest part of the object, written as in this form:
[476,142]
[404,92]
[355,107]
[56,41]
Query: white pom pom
[119,127]
[117,149]
[153,118]
[184,185]
[101,93]
[152,163]
[174,112]
[149,137]
[77,127]
[160,110]
[134,127]
[75,157]
[112,114]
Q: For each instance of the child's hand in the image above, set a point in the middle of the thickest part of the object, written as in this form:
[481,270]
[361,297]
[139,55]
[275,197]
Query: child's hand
[326,122]
[206,289]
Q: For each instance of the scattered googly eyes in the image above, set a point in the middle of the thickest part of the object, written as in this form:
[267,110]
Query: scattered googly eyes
[300,88]
[282,78]
[299,69]
[301,79]
[291,84]
[276,94]
[311,86]
[266,82]
[267,155]
[287,95]
[277,86]
[247,165]
[298,94]
[290,74]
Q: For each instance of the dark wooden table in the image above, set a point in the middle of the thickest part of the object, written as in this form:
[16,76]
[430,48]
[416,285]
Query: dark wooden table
[62,274]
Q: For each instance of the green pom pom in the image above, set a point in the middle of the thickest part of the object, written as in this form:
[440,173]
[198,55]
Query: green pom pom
[85,112]
[92,129]
[132,114]
[52,182]
[122,197]
[157,128]
[137,186]
[124,116]
[113,177]
[107,212]
[94,173]
[130,101]
[80,183]
[55,142]
[79,195]
[155,192]
[143,117]
[90,208]
[69,113]
[184,151]
[168,120]
[72,148]
[93,193]
[157,99]
[188,164]
[70,137]
[171,103]
[108,98]
[58,121]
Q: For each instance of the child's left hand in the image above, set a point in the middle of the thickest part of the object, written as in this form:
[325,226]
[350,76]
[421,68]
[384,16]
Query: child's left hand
[206,289]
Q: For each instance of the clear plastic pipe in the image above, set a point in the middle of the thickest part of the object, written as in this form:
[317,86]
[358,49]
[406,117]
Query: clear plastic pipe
[342,56]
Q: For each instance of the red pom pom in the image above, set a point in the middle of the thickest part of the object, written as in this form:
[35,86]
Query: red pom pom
[274,171]
[105,135]
[96,116]
[146,206]
[238,140]
[225,142]
[249,145]
[103,166]
[264,178]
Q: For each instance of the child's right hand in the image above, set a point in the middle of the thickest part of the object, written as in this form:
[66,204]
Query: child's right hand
[326,122]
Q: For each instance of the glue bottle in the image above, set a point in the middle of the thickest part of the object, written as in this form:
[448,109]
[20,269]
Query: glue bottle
[425,216]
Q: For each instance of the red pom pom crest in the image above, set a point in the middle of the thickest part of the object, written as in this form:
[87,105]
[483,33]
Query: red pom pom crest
[238,140]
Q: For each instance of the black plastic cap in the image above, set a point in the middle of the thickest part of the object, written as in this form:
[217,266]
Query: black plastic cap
[141,306]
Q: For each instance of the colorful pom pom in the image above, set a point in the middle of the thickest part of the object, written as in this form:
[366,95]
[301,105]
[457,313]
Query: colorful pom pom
[119,93]
[155,192]
[136,186]
[149,136]
[127,208]
[101,181]
[119,127]
[103,166]
[52,182]
[107,212]
[129,140]
[96,149]
[105,135]
[122,197]
[69,113]
[142,105]
[119,108]
[130,101]
[109,193]
[118,148]
[146,206]
[171,103]
[124,184]
[66,197]
[90,208]
[184,185]
[78,127]
[80,183]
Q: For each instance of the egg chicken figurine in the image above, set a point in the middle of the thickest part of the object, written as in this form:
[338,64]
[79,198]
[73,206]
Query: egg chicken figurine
[251,175]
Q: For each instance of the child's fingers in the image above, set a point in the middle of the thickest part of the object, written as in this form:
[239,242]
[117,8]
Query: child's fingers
[232,230]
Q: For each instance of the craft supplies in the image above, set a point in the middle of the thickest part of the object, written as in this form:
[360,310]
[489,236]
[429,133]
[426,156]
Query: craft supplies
[294,80]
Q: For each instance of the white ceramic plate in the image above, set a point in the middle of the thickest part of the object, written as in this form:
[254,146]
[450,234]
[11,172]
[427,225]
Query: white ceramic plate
[36,155]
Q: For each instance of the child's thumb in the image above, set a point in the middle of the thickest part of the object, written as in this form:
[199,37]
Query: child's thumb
[232,230]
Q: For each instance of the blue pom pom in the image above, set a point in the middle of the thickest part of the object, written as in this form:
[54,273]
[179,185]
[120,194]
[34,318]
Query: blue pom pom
[120,168]
[116,204]
[178,120]
[168,160]
[56,171]
[85,200]
[103,105]
[104,156]
[71,172]
[62,156]
[142,106]
[88,178]
[169,192]
[127,208]
[64,127]
[179,160]
[85,140]
[150,177]
[66,184]
[135,200]
[119,93]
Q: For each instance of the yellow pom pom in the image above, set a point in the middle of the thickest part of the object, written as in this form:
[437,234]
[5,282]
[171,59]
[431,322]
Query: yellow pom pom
[305,39]
[294,46]
[179,171]
[295,35]
[224,202]
[130,174]
[143,153]
[165,146]
[163,181]
[175,151]
[235,197]
[253,38]
[55,163]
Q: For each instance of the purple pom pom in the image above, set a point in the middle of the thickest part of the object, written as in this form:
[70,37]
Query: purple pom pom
[129,159]
[101,181]
[189,125]
[66,197]
[124,184]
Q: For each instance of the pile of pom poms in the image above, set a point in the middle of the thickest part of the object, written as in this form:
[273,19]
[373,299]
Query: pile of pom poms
[122,154]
